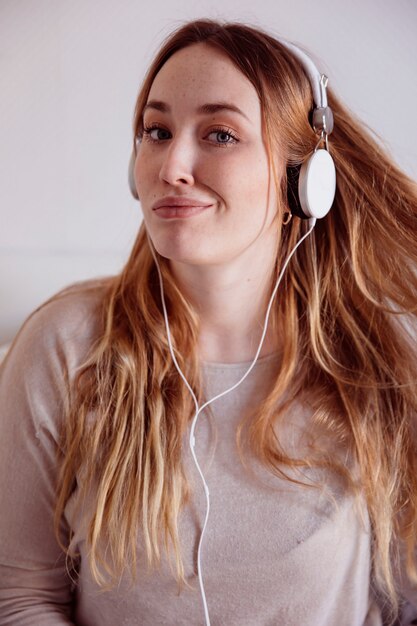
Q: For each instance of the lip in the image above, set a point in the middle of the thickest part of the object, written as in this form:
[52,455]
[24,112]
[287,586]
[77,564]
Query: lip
[176,211]
[178,201]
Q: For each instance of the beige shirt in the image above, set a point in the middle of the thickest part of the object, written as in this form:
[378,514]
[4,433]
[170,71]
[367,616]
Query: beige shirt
[273,553]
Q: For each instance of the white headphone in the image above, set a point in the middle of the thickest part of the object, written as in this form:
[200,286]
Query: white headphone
[311,186]
[315,186]
[316,180]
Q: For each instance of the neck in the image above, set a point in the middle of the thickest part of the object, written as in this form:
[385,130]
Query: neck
[231,301]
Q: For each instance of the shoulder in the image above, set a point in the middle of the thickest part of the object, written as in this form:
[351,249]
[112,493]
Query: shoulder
[76,304]
[57,335]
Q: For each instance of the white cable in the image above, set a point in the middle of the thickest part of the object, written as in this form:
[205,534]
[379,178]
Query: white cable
[311,222]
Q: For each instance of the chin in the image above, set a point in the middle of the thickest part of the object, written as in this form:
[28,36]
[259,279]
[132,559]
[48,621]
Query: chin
[181,247]
[185,257]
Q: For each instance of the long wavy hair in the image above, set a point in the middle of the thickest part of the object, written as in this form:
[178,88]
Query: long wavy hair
[347,316]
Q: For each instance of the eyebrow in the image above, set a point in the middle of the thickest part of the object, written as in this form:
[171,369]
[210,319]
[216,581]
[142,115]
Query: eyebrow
[204,109]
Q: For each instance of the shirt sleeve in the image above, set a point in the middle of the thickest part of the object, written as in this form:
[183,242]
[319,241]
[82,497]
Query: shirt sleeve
[35,585]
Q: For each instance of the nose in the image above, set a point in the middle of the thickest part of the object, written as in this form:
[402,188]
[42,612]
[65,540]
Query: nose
[178,162]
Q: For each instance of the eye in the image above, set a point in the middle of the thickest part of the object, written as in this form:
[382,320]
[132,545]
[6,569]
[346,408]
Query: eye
[225,136]
[224,132]
[148,130]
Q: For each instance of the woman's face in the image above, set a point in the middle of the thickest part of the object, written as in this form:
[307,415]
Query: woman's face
[214,156]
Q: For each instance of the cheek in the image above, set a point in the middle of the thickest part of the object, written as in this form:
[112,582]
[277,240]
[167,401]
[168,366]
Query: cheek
[137,173]
[247,189]
[144,174]
[236,177]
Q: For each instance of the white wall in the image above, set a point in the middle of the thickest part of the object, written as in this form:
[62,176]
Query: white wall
[69,74]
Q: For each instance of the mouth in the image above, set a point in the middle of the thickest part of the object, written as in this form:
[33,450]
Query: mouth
[175,211]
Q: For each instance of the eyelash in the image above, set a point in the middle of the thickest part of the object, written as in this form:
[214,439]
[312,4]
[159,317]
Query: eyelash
[227,131]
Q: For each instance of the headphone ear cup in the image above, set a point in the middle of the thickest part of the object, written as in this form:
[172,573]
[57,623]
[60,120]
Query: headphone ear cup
[293,198]
[317,184]
[131,177]
[312,186]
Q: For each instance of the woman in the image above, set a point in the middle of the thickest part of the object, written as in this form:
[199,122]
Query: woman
[303,476]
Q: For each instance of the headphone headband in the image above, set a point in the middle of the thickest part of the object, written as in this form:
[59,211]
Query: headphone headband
[318,84]
[319,91]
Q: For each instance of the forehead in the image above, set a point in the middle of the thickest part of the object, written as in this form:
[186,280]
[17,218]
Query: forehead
[199,74]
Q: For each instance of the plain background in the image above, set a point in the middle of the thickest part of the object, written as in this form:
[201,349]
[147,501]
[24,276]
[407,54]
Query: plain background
[70,71]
